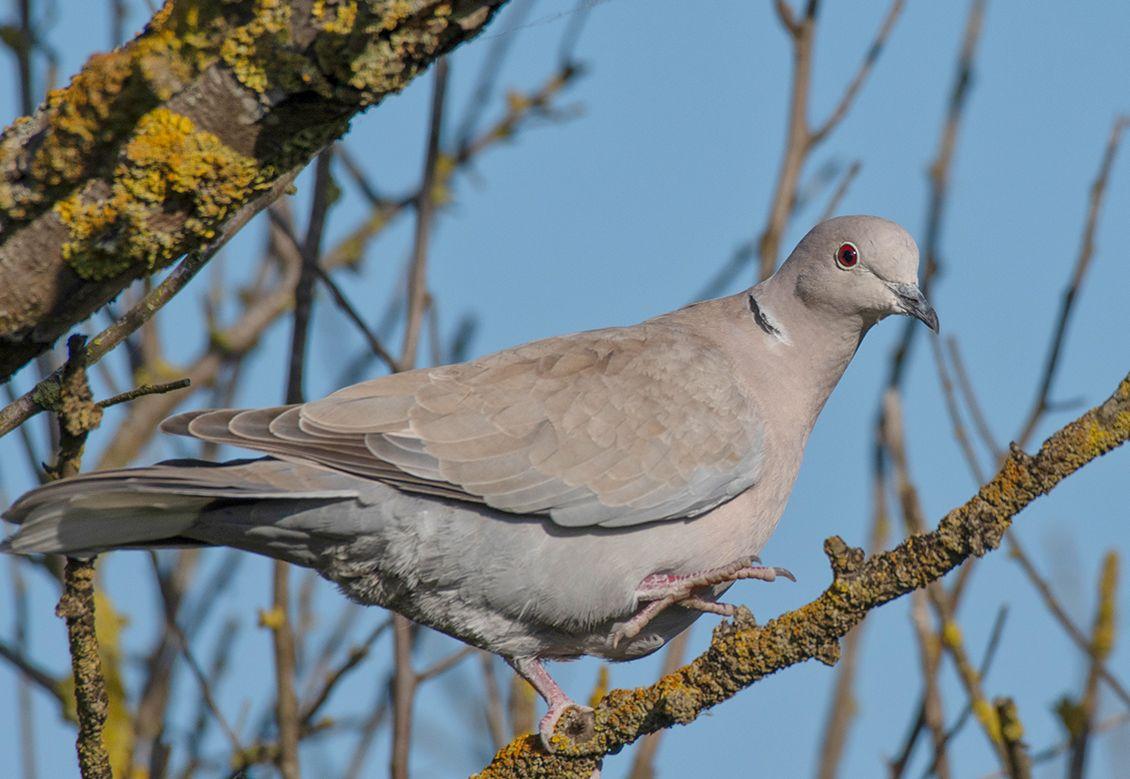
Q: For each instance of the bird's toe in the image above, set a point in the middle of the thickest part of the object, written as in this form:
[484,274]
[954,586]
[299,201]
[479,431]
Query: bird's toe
[569,721]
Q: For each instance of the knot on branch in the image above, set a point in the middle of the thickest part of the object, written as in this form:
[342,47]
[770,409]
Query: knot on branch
[829,653]
[846,560]
[73,401]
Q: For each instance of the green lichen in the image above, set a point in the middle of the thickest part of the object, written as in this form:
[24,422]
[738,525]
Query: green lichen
[168,166]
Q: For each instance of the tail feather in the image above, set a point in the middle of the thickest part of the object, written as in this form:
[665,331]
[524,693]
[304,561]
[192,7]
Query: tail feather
[153,506]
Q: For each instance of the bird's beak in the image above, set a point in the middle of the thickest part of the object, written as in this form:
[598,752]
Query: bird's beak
[914,304]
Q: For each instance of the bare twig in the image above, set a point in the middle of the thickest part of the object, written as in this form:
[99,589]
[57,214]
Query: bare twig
[405,679]
[403,696]
[1019,765]
[900,355]
[33,672]
[1102,642]
[843,706]
[286,704]
[144,389]
[980,423]
[940,176]
[986,663]
[356,655]
[956,424]
[343,303]
[444,664]
[800,137]
[492,712]
[841,190]
[425,208]
[1016,551]
[27,727]
[1082,264]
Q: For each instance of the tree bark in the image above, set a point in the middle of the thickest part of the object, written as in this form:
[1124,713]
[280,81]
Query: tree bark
[153,147]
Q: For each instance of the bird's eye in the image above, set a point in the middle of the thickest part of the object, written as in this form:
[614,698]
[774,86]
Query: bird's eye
[847,256]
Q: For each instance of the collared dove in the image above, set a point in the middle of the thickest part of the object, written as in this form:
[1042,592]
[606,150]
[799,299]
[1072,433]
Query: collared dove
[590,494]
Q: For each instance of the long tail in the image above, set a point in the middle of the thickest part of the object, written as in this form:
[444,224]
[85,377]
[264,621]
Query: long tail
[242,503]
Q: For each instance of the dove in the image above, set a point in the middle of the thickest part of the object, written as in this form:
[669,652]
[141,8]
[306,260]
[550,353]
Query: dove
[588,494]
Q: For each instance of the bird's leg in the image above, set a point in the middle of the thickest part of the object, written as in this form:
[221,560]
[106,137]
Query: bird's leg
[580,728]
[660,590]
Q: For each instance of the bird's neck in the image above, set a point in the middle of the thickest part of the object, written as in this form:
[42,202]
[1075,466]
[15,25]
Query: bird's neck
[807,349]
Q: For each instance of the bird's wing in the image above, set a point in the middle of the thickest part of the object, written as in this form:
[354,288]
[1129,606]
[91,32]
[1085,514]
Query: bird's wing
[611,427]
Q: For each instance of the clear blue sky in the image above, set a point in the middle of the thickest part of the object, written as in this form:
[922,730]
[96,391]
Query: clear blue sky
[624,212]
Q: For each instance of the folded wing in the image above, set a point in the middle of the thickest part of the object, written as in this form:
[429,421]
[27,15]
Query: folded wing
[611,428]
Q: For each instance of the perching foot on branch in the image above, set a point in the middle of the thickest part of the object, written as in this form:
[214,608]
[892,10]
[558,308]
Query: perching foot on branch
[578,725]
[661,590]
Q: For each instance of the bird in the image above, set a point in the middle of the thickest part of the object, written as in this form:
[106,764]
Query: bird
[587,494]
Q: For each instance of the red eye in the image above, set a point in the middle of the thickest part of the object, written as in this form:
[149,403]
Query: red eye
[847,256]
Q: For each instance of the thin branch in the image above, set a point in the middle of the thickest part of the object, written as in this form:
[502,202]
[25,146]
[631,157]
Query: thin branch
[800,137]
[403,696]
[282,636]
[1102,643]
[204,683]
[861,74]
[144,389]
[492,711]
[27,724]
[425,208]
[1012,737]
[1048,596]
[1082,264]
[841,190]
[940,176]
[843,705]
[983,669]
[980,423]
[788,20]
[1051,753]
[445,664]
[34,673]
[356,655]
[954,413]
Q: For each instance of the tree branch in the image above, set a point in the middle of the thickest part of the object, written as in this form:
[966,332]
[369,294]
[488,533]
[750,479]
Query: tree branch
[153,147]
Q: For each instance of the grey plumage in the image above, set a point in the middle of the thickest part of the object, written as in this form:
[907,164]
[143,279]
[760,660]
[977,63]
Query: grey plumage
[517,501]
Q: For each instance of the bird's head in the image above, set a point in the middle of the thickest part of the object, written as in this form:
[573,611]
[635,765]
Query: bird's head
[860,266]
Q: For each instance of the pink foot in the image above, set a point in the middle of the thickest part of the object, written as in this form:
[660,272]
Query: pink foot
[579,725]
[661,590]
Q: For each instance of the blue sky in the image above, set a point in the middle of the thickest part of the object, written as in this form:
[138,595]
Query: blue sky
[625,211]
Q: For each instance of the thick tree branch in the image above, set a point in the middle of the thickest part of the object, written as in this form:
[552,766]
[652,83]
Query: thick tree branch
[742,653]
[153,147]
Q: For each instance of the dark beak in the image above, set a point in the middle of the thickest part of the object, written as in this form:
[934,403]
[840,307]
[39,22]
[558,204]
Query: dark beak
[914,304]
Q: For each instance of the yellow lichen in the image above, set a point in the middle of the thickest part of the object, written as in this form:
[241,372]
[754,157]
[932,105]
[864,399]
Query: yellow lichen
[260,56]
[335,16]
[168,166]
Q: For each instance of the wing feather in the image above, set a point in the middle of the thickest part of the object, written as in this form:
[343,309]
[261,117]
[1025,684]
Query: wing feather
[612,427]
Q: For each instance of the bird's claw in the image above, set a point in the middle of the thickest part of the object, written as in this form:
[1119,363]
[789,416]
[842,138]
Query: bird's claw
[579,724]
[659,591]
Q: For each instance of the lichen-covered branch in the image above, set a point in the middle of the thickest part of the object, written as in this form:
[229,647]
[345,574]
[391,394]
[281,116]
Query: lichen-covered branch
[153,147]
[742,653]
[78,415]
